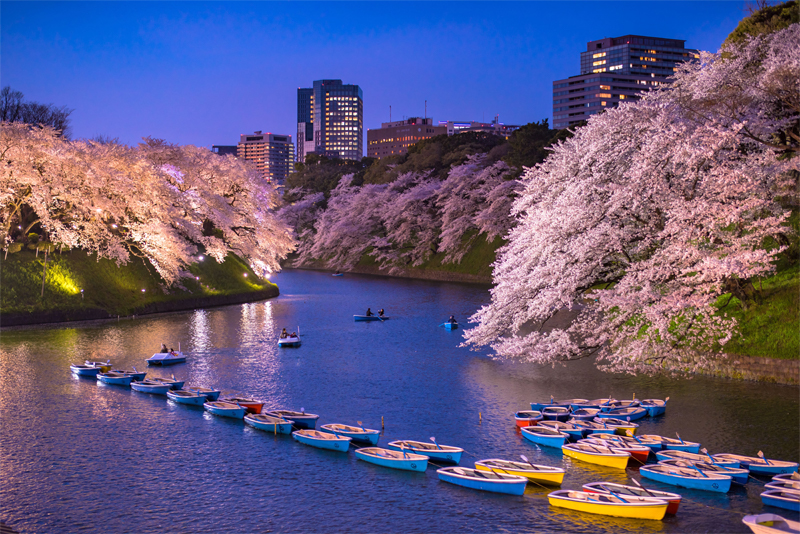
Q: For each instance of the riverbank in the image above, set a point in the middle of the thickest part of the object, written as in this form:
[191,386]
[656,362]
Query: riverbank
[77,286]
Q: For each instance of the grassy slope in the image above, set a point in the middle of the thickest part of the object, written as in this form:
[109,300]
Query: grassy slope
[117,290]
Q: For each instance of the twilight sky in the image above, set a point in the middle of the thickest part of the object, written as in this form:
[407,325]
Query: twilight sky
[205,72]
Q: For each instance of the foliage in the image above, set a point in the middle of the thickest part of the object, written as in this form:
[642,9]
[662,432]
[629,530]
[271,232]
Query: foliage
[320,174]
[14,108]
[157,201]
[529,144]
[765,19]
[669,200]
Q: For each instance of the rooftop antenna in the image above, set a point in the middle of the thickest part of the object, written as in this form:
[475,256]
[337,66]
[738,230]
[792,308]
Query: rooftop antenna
[426,110]
[390,113]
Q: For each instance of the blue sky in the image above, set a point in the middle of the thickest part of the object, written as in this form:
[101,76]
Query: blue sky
[205,72]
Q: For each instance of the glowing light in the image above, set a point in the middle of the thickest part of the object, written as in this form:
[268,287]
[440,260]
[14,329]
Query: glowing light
[99,210]
[143,290]
[245,275]
[113,226]
[268,275]
[201,257]
[19,227]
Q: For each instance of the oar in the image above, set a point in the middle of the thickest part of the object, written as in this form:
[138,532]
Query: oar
[699,471]
[761,455]
[403,449]
[434,442]
[645,489]
[705,451]
[613,493]
[680,438]
[361,425]
[525,459]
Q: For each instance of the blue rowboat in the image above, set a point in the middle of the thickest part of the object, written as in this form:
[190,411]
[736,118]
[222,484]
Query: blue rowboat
[594,404]
[770,524]
[322,440]
[133,372]
[357,434]
[338,274]
[585,414]
[574,432]
[483,480]
[627,414]
[393,459]
[556,413]
[209,393]
[760,466]
[225,409]
[527,418]
[623,428]
[173,384]
[166,358]
[451,326]
[590,427]
[792,477]
[441,453]
[654,446]
[148,386]
[289,341]
[539,406]
[693,457]
[268,423]
[788,499]
[654,407]
[117,379]
[617,404]
[739,475]
[544,436]
[687,478]
[369,318]
[84,370]
[298,419]
[793,485]
[186,397]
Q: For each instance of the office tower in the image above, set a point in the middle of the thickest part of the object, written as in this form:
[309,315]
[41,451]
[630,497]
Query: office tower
[330,120]
[615,70]
[224,150]
[273,154]
[395,137]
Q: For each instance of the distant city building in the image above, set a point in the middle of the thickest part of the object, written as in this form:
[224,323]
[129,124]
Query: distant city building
[615,70]
[330,120]
[224,150]
[395,137]
[495,127]
[273,154]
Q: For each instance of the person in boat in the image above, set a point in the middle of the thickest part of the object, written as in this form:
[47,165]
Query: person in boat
[284,334]
[453,319]
[369,312]
[171,350]
[163,349]
[380,313]
[294,334]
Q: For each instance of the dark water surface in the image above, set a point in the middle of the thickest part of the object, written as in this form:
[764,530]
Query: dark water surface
[77,455]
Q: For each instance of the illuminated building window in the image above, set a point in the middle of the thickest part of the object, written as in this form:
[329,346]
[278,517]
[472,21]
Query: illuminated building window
[600,54]
[606,87]
[596,63]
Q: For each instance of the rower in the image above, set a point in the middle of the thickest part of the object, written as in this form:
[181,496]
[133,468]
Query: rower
[380,313]
[369,312]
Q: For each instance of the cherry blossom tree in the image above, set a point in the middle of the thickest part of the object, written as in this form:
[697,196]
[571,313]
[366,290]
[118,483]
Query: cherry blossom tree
[650,213]
[156,201]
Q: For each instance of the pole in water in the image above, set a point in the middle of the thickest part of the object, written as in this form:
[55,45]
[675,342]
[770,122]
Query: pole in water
[382,427]
[480,418]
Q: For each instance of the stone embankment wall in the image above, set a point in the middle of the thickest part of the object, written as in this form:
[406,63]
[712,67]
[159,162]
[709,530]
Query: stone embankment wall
[89,314]
[771,370]
[419,274]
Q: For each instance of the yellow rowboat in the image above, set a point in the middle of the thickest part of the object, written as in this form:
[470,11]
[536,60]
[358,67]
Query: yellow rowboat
[596,454]
[543,474]
[599,503]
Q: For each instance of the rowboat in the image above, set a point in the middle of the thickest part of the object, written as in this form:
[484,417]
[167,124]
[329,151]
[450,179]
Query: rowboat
[166,358]
[739,475]
[133,372]
[637,452]
[338,274]
[527,418]
[355,433]
[182,396]
[770,524]
[148,386]
[298,419]
[289,341]
[556,413]
[793,485]
[322,440]
[607,504]
[442,453]
[171,382]
[596,454]
[628,414]
[590,427]
[585,414]
[544,436]
[617,404]
[369,318]
[787,476]
[760,466]
[251,405]
[654,407]
[673,499]
[574,432]
[788,499]
[654,446]
[539,406]
[594,404]
[450,326]
[209,393]
[674,444]
[225,409]
[118,379]
[693,457]
[393,459]
[686,478]
[84,370]
[623,428]
[103,366]
[482,480]
[542,474]
[262,421]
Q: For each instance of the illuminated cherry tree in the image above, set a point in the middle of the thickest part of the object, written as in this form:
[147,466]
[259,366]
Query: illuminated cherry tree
[650,213]
[157,201]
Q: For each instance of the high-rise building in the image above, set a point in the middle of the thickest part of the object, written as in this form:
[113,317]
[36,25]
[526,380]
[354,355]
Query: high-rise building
[224,150]
[330,120]
[395,137]
[495,127]
[615,70]
[273,154]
